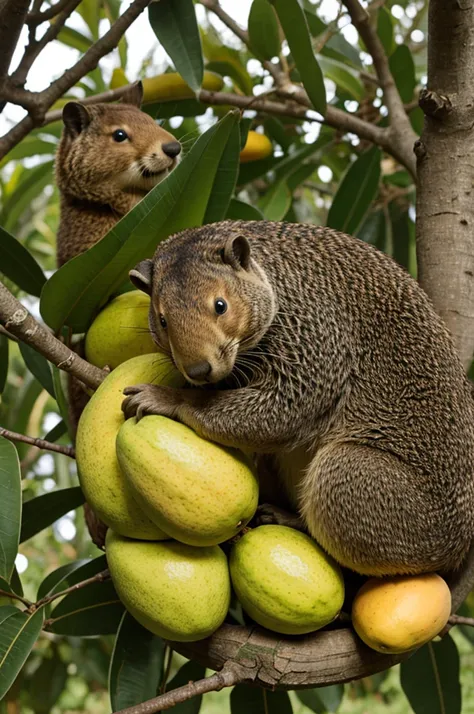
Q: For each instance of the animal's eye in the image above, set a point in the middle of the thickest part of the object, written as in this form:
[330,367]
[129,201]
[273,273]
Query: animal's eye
[220,306]
[163,322]
[120,135]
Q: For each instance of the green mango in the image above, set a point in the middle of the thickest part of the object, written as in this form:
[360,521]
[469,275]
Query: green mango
[176,591]
[120,331]
[285,581]
[100,476]
[198,492]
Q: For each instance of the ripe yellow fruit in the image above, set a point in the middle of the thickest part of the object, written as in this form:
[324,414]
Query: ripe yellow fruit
[171,86]
[400,613]
[174,590]
[100,476]
[120,331]
[285,581]
[198,492]
[257,146]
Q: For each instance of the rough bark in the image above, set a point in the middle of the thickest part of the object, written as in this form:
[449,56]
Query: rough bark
[445,202]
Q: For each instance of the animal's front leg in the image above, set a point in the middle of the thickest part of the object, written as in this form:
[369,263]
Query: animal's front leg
[143,399]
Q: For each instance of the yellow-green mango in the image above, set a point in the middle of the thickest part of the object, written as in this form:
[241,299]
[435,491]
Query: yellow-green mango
[174,590]
[101,479]
[198,492]
[120,331]
[285,581]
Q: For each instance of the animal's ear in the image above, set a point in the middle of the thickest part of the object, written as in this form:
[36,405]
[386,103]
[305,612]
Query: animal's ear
[141,276]
[76,118]
[133,95]
[236,252]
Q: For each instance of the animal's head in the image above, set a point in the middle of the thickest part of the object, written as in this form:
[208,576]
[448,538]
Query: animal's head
[210,300]
[114,144]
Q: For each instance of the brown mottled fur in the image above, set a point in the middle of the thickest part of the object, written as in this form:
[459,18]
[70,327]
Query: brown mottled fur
[332,364]
[99,179]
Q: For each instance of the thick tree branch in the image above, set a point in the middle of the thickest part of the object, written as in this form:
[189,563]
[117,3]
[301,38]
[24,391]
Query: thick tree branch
[17,320]
[445,207]
[460,620]
[36,17]
[40,443]
[12,17]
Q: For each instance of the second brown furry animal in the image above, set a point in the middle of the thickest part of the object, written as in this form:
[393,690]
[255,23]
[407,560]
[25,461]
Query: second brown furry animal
[323,355]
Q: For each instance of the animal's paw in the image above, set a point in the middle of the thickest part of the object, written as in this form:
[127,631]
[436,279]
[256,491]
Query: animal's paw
[143,399]
[267,514]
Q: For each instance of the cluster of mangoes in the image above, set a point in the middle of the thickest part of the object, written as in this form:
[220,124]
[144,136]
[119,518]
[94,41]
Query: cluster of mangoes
[171,498]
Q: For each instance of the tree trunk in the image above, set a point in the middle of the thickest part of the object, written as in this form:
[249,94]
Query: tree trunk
[445,203]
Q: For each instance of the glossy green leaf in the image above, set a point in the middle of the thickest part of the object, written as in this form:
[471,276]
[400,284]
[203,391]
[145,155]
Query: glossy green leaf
[189,672]
[374,230]
[47,684]
[276,201]
[19,266]
[295,27]
[430,678]
[173,108]
[3,361]
[56,432]
[42,511]
[74,293]
[60,381]
[263,29]
[403,71]
[90,13]
[337,46]
[174,23]
[32,183]
[356,192]
[38,366]
[18,633]
[241,211]
[322,699]
[254,700]
[225,61]
[136,665]
[10,507]
[385,30]
[92,610]
[70,574]
[75,39]
[343,76]
[225,179]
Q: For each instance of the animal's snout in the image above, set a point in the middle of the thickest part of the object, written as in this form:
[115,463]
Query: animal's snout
[171,149]
[199,370]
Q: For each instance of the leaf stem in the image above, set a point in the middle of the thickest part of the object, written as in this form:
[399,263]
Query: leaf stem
[39,443]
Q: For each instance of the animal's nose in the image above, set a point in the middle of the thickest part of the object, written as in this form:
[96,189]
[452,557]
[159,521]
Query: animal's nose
[200,370]
[171,149]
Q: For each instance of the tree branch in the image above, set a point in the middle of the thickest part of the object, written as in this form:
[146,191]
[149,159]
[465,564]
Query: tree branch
[36,18]
[97,578]
[40,443]
[14,596]
[460,620]
[17,320]
[227,677]
[12,17]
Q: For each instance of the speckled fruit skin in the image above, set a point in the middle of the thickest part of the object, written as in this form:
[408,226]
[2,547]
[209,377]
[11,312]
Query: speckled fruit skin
[174,590]
[101,479]
[198,492]
[285,581]
[120,331]
[398,614]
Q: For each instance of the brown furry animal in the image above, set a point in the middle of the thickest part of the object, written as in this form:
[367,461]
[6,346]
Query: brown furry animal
[321,353]
[109,157]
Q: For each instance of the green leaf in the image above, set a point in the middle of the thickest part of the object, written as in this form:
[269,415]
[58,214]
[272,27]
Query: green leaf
[343,76]
[374,230]
[42,511]
[337,46]
[60,387]
[322,699]
[189,672]
[173,108]
[295,27]
[70,574]
[38,366]
[136,665]
[403,71]
[32,183]
[254,700]
[18,633]
[75,292]
[19,266]
[3,361]
[225,61]
[30,146]
[56,432]
[241,211]
[263,30]
[276,201]
[10,507]
[430,678]
[385,30]
[46,684]
[356,192]
[225,179]
[174,23]
[92,610]
[74,39]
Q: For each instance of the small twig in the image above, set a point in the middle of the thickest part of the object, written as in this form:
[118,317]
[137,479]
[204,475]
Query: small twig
[98,578]
[14,596]
[12,16]
[227,677]
[17,320]
[460,620]
[36,18]
[40,443]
